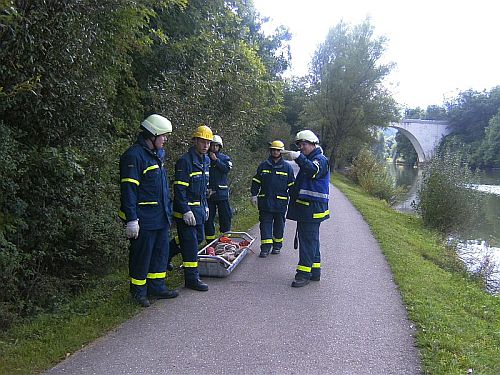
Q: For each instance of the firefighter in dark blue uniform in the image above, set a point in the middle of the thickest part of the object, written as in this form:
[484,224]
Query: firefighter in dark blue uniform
[146,208]
[269,190]
[218,190]
[190,204]
[309,204]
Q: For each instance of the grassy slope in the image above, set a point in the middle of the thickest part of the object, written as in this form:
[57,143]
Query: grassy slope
[458,323]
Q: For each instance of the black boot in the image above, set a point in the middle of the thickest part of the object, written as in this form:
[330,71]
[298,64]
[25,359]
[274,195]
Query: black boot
[165,294]
[276,251]
[297,283]
[141,300]
[316,274]
[196,284]
[264,253]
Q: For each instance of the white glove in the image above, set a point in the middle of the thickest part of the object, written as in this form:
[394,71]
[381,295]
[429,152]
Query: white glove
[254,200]
[132,229]
[189,218]
[290,155]
[206,213]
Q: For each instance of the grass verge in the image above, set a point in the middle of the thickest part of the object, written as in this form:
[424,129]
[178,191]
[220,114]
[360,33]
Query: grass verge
[458,324]
[32,347]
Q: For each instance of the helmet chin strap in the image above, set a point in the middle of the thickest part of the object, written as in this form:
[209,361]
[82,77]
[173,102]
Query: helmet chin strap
[151,143]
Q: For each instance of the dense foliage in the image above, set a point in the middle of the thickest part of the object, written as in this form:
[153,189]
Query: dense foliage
[76,78]
[445,200]
[372,176]
[405,150]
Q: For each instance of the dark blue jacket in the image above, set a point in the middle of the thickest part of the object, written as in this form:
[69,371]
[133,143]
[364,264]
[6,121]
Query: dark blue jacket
[271,183]
[219,170]
[190,185]
[309,195]
[144,187]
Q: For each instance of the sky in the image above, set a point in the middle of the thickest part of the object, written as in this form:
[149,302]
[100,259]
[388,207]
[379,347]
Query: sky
[440,47]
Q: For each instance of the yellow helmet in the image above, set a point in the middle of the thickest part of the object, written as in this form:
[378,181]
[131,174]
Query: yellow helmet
[278,145]
[203,132]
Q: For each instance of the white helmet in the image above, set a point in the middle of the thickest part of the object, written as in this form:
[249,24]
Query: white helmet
[306,135]
[217,140]
[157,125]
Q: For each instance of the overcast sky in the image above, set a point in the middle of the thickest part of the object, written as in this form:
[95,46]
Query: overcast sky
[440,47]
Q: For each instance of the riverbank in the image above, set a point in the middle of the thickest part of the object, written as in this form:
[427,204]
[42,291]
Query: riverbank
[457,322]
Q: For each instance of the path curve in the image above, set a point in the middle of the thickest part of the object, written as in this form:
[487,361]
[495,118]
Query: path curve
[252,322]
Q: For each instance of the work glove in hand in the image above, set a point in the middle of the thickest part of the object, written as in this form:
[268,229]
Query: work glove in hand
[254,201]
[206,213]
[189,218]
[290,155]
[132,229]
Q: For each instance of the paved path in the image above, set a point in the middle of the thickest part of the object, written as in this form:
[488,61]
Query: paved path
[253,322]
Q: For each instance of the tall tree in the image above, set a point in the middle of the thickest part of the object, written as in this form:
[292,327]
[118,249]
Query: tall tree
[348,98]
[490,147]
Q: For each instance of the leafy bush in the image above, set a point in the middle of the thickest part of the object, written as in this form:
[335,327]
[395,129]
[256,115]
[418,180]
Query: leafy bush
[445,199]
[372,176]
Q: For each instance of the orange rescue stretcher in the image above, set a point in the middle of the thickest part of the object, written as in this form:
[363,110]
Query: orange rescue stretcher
[221,256]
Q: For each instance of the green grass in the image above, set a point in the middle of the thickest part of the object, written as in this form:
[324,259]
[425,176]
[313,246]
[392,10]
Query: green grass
[32,347]
[458,324]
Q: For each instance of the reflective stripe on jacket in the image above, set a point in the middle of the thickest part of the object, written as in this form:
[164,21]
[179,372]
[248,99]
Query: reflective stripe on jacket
[310,194]
[190,185]
[271,184]
[144,191]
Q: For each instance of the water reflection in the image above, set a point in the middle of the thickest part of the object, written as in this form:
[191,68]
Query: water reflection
[477,245]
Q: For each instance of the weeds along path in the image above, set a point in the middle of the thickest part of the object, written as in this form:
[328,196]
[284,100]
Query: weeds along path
[252,322]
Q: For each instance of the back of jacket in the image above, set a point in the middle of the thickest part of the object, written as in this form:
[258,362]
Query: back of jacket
[190,185]
[271,184]
[144,187]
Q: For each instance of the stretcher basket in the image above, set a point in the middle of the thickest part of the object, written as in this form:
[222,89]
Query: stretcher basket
[216,265]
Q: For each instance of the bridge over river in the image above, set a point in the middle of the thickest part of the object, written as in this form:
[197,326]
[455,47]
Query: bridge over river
[424,135]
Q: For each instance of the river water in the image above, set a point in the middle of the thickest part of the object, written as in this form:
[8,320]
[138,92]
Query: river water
[479,249]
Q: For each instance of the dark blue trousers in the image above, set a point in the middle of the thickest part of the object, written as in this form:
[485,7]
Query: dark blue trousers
[148,256]
[309,253]
[272,226]
[225,216]
[189,240]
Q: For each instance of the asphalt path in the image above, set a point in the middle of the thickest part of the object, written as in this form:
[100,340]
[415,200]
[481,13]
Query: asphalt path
[253,322]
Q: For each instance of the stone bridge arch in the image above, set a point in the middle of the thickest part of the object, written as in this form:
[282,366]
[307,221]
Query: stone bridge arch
[424,135]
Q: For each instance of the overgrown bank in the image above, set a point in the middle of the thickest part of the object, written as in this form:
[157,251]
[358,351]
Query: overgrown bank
[458,325]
